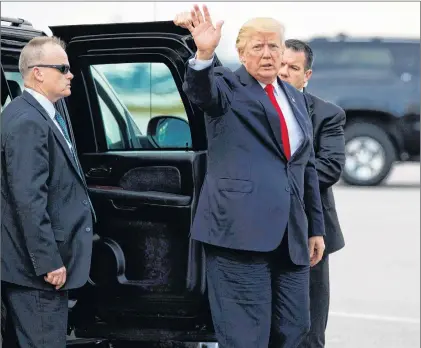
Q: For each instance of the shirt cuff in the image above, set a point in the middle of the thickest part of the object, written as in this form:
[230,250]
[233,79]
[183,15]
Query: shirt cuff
[197,64]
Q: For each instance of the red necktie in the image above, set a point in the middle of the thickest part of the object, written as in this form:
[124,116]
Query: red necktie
[284,129]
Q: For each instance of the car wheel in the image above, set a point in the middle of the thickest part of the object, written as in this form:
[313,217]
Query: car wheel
[369,155]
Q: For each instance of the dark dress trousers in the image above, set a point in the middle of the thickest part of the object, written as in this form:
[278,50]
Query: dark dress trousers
[251,214]
[46,223]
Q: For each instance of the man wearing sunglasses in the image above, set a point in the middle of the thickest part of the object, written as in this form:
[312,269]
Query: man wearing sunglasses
[47,215]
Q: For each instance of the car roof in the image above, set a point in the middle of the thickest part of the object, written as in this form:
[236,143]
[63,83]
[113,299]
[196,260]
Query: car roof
[343,38]
[16,32]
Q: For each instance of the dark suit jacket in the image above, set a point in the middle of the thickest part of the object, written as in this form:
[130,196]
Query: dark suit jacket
[329,144]
[251,192]
[46,219]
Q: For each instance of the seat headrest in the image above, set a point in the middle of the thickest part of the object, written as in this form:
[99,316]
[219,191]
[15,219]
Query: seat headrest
[14,87]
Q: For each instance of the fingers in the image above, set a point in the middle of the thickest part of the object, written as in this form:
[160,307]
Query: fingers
[207,14]
[311,245]
[57,277]
[317,257]
[61,282]
[194,18]
[317,254]
[219,25]
[198,14]
[190,27]
[56,280]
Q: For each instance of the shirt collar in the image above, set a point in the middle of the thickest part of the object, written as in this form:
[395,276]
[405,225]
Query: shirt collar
[45,103]
[274,84]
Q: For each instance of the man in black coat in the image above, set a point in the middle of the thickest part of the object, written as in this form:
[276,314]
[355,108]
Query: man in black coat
[47,216]
[329,144]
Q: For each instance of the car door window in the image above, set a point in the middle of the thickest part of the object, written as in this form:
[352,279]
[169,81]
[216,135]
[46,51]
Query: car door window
[130,96]
[15,85]
[352,56]
[112,130]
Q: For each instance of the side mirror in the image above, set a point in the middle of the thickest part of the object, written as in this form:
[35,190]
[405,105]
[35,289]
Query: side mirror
[169,132]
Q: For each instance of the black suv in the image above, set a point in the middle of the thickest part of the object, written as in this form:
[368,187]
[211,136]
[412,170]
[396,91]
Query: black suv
[377,82]
[143,152]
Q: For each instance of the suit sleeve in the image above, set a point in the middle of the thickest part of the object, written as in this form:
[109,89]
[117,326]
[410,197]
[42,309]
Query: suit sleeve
[316,226]
[207,90]
[27,168]
[330,157]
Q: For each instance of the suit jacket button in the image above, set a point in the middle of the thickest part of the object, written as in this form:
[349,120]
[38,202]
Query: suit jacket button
[85,202]
[88,229]
[287,189]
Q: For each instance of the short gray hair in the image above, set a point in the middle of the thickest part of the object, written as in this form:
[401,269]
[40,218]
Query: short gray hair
[33,52]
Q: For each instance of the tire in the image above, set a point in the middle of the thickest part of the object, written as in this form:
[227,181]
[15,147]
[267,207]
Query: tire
[370,155]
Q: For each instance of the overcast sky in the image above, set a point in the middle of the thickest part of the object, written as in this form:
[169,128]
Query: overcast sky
[301,19]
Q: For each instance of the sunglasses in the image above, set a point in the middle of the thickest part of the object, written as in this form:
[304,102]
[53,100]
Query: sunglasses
[63,68]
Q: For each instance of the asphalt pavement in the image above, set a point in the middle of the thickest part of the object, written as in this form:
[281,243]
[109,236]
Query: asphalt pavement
[375,279]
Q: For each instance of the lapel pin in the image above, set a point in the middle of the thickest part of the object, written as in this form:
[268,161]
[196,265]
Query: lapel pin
[293,100]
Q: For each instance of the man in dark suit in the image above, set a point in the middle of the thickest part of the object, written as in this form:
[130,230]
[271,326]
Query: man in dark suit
[251,216]
[329,144]
[47,217]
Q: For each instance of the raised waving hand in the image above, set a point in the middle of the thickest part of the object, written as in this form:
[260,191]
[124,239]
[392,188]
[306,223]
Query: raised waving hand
[206,36]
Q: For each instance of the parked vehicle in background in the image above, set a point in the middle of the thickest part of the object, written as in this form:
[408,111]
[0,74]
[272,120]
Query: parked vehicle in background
[377,82]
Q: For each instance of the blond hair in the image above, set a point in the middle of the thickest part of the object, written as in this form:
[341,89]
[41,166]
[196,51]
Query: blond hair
[258,25]
[33,52]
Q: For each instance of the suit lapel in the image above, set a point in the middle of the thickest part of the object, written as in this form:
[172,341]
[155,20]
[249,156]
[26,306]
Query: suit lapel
[298,116]
[309,103]
[270,111]
[60,138]
[271,114]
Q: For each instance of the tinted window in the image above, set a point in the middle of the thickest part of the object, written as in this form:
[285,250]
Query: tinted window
[130,95]
[350,55]
[16,84]
[407,58]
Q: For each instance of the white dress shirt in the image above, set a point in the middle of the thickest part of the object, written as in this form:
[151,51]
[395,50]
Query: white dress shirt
[49,108]
[295,132]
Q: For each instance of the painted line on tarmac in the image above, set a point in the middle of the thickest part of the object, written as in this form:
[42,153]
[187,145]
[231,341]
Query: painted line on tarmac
[376,317]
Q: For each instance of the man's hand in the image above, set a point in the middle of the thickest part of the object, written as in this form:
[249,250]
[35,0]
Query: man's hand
[57,277]
[316,246]
[205,35]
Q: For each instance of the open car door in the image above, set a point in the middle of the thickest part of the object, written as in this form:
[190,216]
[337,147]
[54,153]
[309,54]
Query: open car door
[142,146]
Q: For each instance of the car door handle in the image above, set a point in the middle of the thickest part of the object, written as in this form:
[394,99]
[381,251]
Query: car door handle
[100,172]
[117,206]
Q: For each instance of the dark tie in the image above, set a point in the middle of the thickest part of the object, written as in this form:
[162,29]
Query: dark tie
[62,123]
[284,129]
